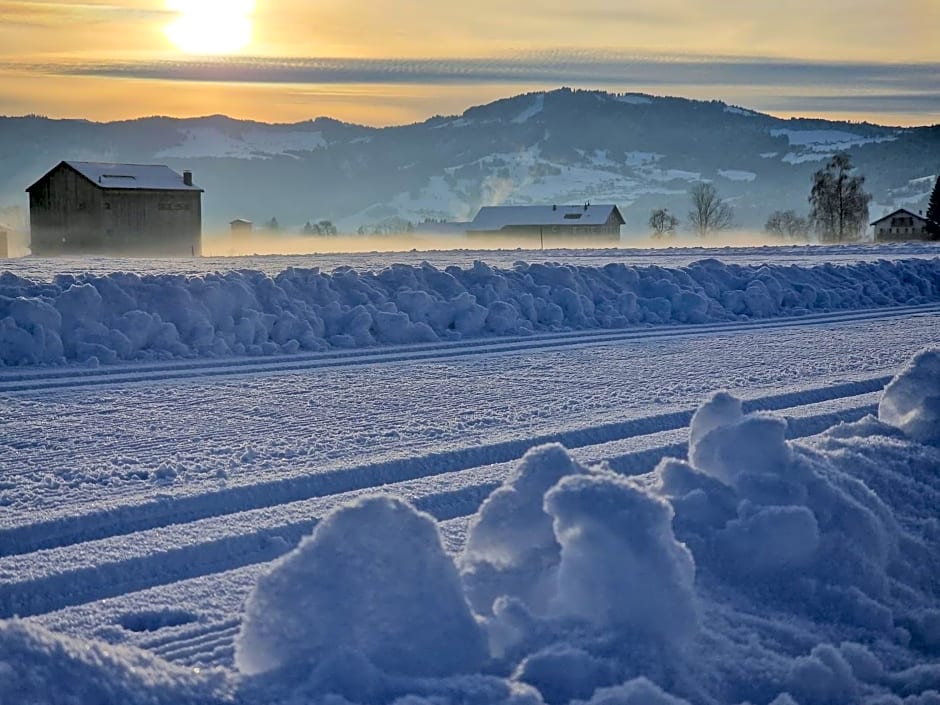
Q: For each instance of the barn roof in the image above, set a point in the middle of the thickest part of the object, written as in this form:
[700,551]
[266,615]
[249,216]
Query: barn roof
[150,177]
[493,218]
[900,211]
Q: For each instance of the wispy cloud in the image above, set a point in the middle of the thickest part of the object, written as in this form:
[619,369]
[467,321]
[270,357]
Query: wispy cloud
[582,67]
[41,13]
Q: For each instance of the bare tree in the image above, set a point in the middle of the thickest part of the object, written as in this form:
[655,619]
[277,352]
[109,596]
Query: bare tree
[839,201]
[663,223]
[709,212]
[788,225]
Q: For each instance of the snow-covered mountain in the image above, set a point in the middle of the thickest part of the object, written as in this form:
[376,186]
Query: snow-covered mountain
[563,146]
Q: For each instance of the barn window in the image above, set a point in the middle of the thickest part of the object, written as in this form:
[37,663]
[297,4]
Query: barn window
[107,206]
[572,216]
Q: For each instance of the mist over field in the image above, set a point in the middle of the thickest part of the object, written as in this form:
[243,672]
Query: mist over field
[639,152]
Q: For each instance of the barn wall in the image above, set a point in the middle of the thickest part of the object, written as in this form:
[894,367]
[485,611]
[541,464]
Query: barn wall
[152,222]
[64,214]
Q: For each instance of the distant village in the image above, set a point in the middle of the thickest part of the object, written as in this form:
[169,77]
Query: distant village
[89,208]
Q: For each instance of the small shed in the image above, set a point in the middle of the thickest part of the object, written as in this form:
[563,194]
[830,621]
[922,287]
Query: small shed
[901,225]
[80,208]
[240,225]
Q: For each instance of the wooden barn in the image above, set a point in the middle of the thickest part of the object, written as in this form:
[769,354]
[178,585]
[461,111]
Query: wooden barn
[81,208]
[597,223]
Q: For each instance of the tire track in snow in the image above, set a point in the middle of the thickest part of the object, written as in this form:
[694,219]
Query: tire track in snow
[57,380]
[115,520]
[51,580]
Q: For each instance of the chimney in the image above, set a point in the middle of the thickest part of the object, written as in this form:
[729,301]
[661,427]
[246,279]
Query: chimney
[188,178]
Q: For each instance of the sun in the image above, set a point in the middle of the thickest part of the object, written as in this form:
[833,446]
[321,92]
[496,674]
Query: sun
[210,26]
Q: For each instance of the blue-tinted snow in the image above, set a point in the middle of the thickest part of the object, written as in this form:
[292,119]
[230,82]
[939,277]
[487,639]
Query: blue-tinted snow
[124,316]
[761,571]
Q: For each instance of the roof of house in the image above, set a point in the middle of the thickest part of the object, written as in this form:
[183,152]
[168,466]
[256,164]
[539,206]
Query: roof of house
[493,218]
[149,177]
[240,221]
[900,211]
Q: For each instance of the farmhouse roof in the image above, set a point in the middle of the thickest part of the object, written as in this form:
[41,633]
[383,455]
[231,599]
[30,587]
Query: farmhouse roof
[900,211]
[492,218]
[149,177]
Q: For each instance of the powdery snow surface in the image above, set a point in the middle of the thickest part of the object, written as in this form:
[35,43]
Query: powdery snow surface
[759,570]
[126,316]
[403,527]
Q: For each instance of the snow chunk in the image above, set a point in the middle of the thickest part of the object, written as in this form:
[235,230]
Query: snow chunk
[911,402]
[621,565]
[373,578]
[511,545]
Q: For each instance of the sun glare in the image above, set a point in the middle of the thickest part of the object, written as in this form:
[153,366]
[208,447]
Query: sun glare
[210,26]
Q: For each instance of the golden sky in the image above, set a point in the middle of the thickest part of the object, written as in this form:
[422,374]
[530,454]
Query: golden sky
[387,62]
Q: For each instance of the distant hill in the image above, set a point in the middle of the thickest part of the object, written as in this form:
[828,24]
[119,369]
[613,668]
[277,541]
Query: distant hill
[564,146]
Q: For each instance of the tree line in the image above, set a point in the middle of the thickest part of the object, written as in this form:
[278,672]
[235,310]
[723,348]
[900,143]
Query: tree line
[839,209]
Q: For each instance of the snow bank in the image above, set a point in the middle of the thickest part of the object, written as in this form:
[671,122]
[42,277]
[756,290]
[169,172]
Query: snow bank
[373,579]
[124,316]
[41,668]
[912,400]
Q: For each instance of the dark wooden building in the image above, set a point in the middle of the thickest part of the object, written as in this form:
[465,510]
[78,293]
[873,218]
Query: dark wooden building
[597,223]
[81,208]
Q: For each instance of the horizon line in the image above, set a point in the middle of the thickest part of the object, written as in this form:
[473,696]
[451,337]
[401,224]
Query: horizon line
[443,116]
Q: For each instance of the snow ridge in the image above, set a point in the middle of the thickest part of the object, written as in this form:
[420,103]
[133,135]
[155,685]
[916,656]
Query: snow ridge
[123,316]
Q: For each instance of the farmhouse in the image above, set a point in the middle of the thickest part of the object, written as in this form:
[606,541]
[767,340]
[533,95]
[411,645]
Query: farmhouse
[81,208]
[595,222]
[901,225]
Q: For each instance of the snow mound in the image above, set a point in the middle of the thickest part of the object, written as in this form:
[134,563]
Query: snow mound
[778,517]
[372,579]
[636,692]
[621,567]
[41,668]
[911,402]
[125,316]
[511,547]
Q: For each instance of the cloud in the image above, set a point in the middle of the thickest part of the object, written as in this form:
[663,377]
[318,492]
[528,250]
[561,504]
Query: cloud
[43,13]
[576,67]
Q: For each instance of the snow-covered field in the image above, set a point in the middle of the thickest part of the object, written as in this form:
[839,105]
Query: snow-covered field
[778,549]
[679,256]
